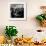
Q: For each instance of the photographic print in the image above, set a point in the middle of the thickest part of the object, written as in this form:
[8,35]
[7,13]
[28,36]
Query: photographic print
[17,11]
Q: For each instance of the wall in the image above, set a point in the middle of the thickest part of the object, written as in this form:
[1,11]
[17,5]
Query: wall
[24,27]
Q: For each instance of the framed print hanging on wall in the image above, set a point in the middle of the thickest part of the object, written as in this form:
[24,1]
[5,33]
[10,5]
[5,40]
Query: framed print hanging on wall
[17,10]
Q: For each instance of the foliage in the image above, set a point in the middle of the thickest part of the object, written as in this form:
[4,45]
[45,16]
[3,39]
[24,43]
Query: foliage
[41,17]
[11,31]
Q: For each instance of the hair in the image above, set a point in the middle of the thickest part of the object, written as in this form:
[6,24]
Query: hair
[42,7]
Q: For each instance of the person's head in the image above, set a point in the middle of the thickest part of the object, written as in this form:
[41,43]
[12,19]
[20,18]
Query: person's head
[43,8]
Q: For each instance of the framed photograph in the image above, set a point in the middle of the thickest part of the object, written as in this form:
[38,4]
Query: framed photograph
[17,11]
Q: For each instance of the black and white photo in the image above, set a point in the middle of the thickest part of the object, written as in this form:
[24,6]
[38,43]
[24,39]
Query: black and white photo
[17,11]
